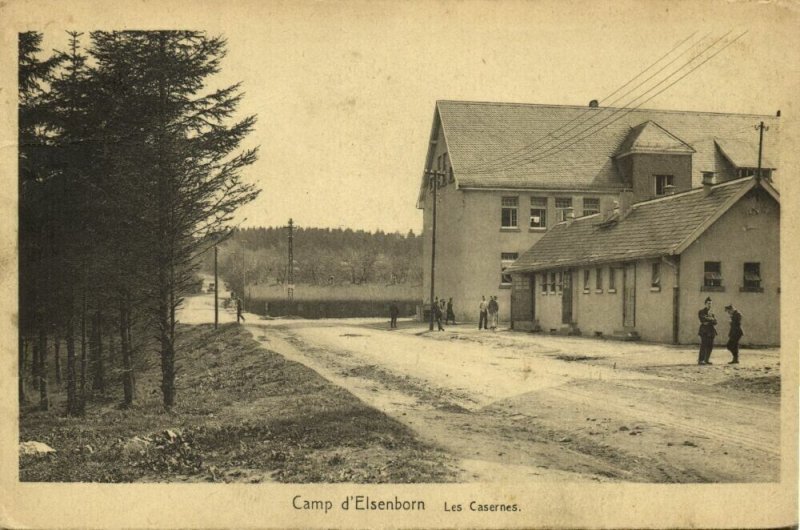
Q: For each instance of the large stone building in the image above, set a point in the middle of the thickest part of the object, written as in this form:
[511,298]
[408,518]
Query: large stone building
[512,171]
[645,271]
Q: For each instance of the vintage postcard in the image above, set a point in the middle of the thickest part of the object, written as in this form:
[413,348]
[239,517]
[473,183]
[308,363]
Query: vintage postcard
[404,264]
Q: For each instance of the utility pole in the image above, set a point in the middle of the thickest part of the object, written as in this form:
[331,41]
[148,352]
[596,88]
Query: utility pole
[434,176]
[290,289]
[244,284]
[761,128]
[216,290]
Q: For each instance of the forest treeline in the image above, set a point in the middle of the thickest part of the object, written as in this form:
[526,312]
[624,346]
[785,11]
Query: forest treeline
[130,167]
[322,256]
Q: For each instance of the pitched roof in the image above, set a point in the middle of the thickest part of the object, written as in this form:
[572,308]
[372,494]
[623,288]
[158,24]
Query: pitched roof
[658,227]
[650,137]
[742,154]
[491,145]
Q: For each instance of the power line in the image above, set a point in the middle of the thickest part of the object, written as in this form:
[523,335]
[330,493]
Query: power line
[586,111]
[626,109]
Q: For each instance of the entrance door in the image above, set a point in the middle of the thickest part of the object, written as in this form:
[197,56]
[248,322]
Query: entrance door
[566,298]
[629,295]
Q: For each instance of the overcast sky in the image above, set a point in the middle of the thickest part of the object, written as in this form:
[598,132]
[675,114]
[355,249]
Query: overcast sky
[345,92]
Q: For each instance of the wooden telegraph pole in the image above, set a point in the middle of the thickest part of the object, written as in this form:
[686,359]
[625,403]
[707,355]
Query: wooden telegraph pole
[434,177]
[761,128]
[290,289]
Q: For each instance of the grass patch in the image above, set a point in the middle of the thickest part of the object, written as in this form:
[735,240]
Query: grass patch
[243,414]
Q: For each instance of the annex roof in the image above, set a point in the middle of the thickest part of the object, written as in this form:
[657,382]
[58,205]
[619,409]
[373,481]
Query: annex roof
[742,154]
[530,146]
[659,227]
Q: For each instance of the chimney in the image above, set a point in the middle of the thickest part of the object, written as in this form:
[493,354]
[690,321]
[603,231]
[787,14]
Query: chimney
[606,209]
[570,216]
[625,202]
[708,181]
[594,104]
[779,113]
[669,189]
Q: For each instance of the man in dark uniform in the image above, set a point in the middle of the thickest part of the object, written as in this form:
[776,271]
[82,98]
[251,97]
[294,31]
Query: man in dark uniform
[707,333]
[393,312]
[239,316]
[735,333]
[451,316]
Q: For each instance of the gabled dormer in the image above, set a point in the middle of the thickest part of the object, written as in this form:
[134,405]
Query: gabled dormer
[740,159]
[654,162]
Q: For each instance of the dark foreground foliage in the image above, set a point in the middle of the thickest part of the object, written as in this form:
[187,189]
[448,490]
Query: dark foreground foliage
[245,414]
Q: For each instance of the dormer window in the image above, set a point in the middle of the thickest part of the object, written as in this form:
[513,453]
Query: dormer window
[661,183]
[752,171]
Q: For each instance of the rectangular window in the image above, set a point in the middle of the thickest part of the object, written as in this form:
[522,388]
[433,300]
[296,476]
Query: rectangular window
[538,212]
[506,259]
[559,283]
[586,280]
[508,218]
[563,208]
[662,181]
[612,279]
[552,282]
[598,282]
[752,277]
[591,206]
[712,274]
[544,282]
[655,277]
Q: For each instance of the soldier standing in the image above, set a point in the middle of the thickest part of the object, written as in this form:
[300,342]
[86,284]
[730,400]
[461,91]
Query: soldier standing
[239,316]
[484,316]
[735,332]
[707,332]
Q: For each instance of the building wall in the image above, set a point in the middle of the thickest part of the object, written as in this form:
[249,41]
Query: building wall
[748,232]
[644,167]
[470,241]
[600,310]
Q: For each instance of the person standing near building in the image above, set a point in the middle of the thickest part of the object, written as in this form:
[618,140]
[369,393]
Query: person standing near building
[707,332]
[735,332]
[437,313]
[451,316]
[393,312]
[493,309]
[482,322]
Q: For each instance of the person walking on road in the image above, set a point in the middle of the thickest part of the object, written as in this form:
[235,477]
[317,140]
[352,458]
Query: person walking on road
[735,332]
[451,316]
[493,309]
[239,315]
[707,332]
[393,312]
[484,315]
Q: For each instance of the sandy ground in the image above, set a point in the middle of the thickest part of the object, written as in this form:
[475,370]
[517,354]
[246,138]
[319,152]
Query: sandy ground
[516,406]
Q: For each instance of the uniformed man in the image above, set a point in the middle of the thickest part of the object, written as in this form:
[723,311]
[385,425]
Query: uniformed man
[735,332]
[239,316]
[707,332]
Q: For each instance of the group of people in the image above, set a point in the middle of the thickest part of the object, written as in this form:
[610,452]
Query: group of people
[443,309]
[488,313]
[708,331]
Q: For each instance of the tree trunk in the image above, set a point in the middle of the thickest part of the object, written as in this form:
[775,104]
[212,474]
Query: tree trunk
[44,402]
[82,386]
[128,383]
[69,338]
[23,345]
[98,369]
[35,366]
[57,353]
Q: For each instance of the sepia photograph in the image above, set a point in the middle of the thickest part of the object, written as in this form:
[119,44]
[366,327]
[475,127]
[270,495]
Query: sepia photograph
[416,264]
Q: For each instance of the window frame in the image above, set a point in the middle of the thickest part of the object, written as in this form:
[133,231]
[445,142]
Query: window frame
[513,212]
[505,261]
[712,279]
[669,180]
[542,209]
[598,279]
[612,279]
[592,210]
[586,280]
[561,211]
[750,285]
[655,276]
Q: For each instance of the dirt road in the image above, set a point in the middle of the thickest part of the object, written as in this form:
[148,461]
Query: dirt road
[513,406]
